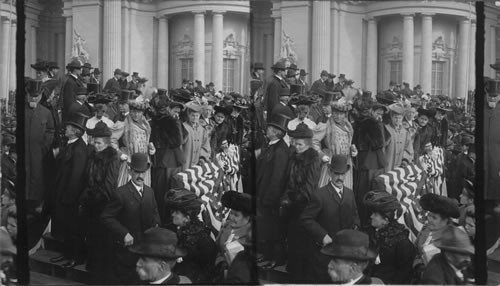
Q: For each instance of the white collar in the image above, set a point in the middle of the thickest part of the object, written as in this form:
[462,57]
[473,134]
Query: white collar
[280,78]
[282,103]
[72,140]
[352,282]
[73,75]
[138,188]
[273,142]
[338,190]
[81,103]
[162,279]
[457,271]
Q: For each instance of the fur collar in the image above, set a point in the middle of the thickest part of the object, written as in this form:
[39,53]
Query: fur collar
[191,233]
[308,157]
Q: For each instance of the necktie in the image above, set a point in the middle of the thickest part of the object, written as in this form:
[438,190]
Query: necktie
[140,192]
[340,193]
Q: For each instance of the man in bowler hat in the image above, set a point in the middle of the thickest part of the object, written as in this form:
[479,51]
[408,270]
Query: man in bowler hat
[70,84]
[113,84]
[131,210]
[273,86]
[332,208]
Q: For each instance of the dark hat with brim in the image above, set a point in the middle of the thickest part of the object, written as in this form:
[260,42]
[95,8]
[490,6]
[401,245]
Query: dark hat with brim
[158,242]
[338,164]
[279,65]
[279,121]
[183,199]
[221,109]
[97,71]
[101,129]
[284,92]
[75,64]
[330,96]
[85,72]
[142,80]
[99,98]
[40,66]
[454,239]
[258,66]
[302,131]
[78,120]
[291,73]
[92,88]
[125,74]
[118,71]
[52,65]
[382,202]
[293,67]
[139,162]
[181,95]
[303,72]
[427,112]
[237,201]
[385,98]
[444,206]
[240,103]
[350,244]
[33,87]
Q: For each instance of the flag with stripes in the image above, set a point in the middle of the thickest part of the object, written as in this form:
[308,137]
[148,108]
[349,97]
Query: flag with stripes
[206,182]
[405,184]
[433,164]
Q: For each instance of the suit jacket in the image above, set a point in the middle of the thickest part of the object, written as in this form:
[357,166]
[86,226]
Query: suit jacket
[271,95]
[318,87]
[68,94]
[112,85]
[326,213]
[82,108]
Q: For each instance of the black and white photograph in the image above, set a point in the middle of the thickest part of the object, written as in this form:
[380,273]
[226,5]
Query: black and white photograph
[250,142]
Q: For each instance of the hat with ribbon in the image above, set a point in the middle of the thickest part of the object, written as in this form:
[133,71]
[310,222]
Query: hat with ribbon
[454,239]
[302,131]
[139,162]
[341,105]
[100,130]
[350,244]
[158,242]
[237,201]
[304,100]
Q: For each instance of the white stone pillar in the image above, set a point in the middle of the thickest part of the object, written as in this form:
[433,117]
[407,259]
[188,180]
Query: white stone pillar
[126,36]
[472,59]
[217,48]
[27,50]
[199,46]
[33,49]
[461,79]
[320,37]
[162,65]
[112,37]
[408,44]
[13,51]
[426,59]
[4,58]
[277,39]
[335,42]
[371,56]
[493,55]
[68,40]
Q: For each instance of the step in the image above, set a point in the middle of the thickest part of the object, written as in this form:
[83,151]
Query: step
[51,243]
[40,263]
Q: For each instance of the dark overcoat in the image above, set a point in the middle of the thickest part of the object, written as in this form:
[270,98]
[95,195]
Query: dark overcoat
[318,87]
[219,133]
[243,269]
[491,126]
[439,272]
[272,92]
[423,135]
[39,129]
[68,94]
[112,85]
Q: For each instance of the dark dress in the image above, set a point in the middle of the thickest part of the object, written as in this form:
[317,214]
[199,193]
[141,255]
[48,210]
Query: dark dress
[243,269]
[201,251]
[439,272]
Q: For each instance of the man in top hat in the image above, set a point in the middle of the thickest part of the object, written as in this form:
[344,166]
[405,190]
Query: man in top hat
[157,256]
[450,267]
[113,84]
[272,165]
[41,70]
[196,145]
[302,79]
[283,107]
[80,104]
[70,179]
[273,86]
[134,83]
[349,255]
[340,85]
[399,146]
[132,209]
[70,84]
[257,78]
[331,208]
[319,86]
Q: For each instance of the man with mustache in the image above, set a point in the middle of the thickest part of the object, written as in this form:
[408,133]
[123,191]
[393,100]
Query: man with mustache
[331,208]
[131,210]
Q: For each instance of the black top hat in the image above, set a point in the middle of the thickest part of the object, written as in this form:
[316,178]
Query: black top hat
[258,66]
[293,67]
[382,202]
[40,66]
[75,64]
[99,98]
[323,73]
[52,65]
[135,74]
[221,109]
[295,89]
[302,131]
[32,87]
[158,242]
[80,90]
[350,244]
[97,71]
[139,162]
[304,100]
[184,200]
[92,87]
[279,121]
[87,65]
[162,92]
[444,206]
[330,96]
[427,112]
[303,72]
[125,96]
[77,119]
[237,201]
[284,92]
[338,164]
[118,71]
[279,65]
[454,239]
[101,129]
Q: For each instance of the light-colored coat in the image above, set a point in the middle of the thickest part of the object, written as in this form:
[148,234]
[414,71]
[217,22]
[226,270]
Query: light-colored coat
[196,146]
[398,148]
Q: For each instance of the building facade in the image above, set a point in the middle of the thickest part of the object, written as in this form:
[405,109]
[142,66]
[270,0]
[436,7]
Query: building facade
[164,41]
[431,43]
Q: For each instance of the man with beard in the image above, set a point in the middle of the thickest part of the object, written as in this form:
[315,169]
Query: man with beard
[450,266]
[332,208]
[167,135]
[131,210]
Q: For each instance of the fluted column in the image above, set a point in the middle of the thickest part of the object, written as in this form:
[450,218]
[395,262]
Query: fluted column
[472,59]
[277,38]
[69,40]
[4,58]
[335,42]
[112,38]
[493,55]
[199,46]
[426,59]
[463,58]
[126,38]
[162,65]
[12,66]
[320,37]
[59,52]
[371,56]
[408,43]
[217,48]
[33,48]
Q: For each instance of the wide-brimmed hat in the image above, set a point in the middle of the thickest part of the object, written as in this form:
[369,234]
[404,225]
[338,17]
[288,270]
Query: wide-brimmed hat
[302,131]
[6,245]
[142,80]
[52,65]
[258,66]
[97,71]
[181,95]
[237,201]
[323,73]
[293,67]
[101,129]
[382,202]
[222,109]
[342,76]
[397,108]
[194,106]
[444,206]
[455,239]
[427,112]
[330,96]
[338,164]
[125,74]
[158,242]
[183,199]
[386,98]
[341,105]
[75,64]
[350,244]
[279,65]
[291,73]
[331,75]
[139,162]
[77,119]
[303,72]
[39,66]
[118,71]
[85,72]
[32,87]
[279,121]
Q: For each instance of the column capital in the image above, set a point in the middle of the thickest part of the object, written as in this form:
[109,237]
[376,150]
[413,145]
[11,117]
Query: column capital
[163,17]
[464,19]
[218,12]
[371,19]
[428,14]
[408,15]
[199,12]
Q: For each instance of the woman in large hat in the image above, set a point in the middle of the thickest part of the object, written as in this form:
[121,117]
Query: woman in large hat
[236,231]
[102,180]
[303,176]
[425,131]
[221,128]
[389,238]
[196,147]
[194,236]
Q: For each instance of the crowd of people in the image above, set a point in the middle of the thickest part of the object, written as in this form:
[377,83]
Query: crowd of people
[102,158]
